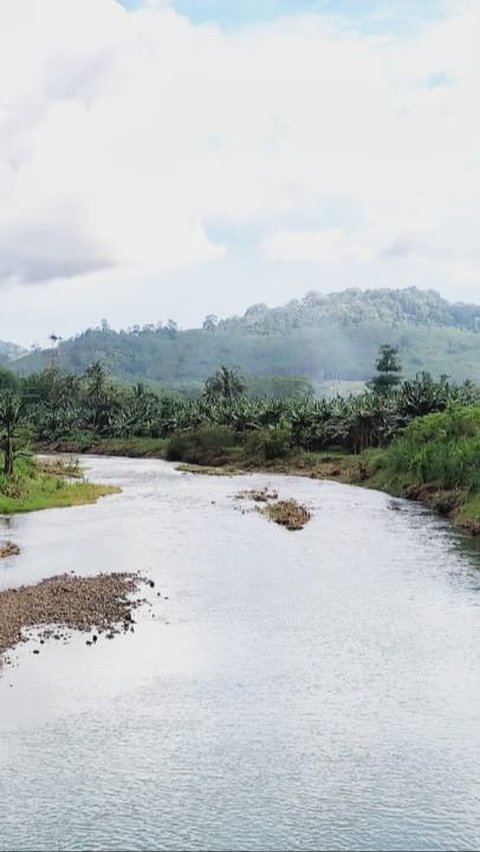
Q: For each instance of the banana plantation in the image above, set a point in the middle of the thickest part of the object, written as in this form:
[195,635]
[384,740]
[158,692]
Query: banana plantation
[57,405]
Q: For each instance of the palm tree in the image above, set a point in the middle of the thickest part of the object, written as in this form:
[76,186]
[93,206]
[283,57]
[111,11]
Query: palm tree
[224,385]
[100,395]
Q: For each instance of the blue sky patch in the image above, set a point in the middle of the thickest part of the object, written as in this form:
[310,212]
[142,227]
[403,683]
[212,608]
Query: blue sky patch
[439,80]
[370,16]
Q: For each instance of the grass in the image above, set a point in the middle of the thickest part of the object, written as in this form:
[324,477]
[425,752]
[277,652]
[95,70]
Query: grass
[32,489]
[47,494]
[468,514]
[287,513]
[207,470]
[69,467]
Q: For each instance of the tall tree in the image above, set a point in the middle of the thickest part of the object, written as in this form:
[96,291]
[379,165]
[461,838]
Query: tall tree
[13,429]
[389,371]
[100,395]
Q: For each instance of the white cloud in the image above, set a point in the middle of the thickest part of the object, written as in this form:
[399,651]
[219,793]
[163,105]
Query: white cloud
[330,244]
[124,135]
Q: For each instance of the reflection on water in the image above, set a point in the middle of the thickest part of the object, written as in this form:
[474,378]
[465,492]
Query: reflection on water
[7,522]
[300,690]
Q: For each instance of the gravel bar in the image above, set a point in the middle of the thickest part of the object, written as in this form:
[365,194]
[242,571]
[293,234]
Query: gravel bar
[101,603]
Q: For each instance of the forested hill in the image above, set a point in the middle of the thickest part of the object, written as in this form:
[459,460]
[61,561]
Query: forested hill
[10,352]
[322,337]
[410,306]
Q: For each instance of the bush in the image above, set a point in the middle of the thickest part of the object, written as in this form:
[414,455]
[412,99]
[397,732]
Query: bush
[207,445]
[440,448]
[270,443]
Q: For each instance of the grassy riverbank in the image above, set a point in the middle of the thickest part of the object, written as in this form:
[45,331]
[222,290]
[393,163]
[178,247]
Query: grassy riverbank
[32,488]
[436,460]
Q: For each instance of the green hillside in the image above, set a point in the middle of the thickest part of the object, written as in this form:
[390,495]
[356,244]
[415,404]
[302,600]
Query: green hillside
[325,338]
[10,352]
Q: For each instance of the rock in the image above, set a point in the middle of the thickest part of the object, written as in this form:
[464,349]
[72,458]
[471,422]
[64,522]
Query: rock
[102,602]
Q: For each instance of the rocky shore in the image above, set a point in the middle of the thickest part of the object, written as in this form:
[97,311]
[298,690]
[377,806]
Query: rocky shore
[99,604]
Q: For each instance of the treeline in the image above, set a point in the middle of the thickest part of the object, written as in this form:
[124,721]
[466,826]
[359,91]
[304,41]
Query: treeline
[56,405]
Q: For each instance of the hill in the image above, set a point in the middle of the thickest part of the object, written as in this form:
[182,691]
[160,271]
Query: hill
[10,352]
[325,338]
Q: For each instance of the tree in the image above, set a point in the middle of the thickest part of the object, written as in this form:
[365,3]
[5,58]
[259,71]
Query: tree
[13,429]
[7,378]
[100,395]
[225,385]
[210,322]
[54,339]
[389,370]
[171,329]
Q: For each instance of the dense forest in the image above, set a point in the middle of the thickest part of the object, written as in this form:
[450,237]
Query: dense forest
[322,340]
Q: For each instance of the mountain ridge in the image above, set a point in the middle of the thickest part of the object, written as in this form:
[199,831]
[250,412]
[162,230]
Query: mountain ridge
[323,337]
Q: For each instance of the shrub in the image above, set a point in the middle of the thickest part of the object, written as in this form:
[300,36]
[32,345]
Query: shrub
[270,443]
[441,448]
[207,445]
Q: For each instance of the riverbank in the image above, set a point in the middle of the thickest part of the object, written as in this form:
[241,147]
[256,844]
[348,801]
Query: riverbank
[372,469]
[133,448]
[36,486]
[435,460]
[102,604]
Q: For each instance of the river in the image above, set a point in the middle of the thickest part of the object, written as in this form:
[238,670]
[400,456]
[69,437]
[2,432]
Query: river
[293,690]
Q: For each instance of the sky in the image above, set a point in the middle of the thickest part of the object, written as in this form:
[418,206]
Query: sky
[176,158]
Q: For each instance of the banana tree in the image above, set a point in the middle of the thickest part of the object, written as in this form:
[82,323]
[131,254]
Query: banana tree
[13,429]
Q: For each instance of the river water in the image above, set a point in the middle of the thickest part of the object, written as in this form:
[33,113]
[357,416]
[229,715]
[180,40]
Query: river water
[308,690]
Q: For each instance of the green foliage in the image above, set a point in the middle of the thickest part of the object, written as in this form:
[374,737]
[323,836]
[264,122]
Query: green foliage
[442,448]
[63,407]
[14,434]
[208,445]
[32,490]
[269,443]
[388,368]
[8,379]
[225,385]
